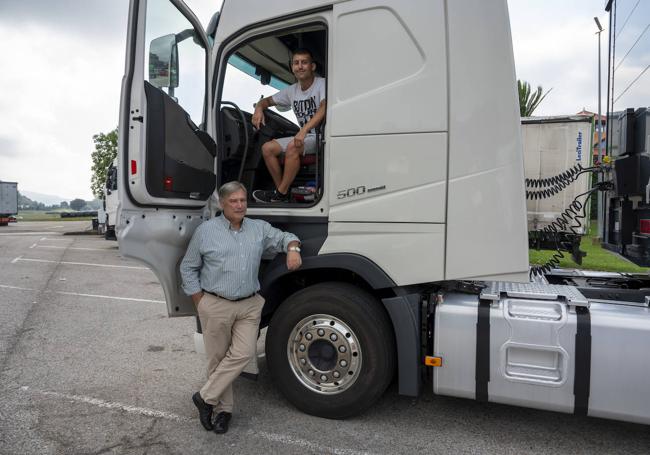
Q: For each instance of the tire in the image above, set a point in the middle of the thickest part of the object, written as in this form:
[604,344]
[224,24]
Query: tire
[322,377]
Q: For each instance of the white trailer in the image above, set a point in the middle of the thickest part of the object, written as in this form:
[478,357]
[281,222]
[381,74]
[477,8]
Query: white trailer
[8,201]
[415,248]
[551,146]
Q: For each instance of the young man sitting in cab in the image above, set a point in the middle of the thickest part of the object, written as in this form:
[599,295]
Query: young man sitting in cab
[307,99]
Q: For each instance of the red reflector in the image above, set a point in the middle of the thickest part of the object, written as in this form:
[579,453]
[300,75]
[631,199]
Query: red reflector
[134,167]
[167,183]
[644,226]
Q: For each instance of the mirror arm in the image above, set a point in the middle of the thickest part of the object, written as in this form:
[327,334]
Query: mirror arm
[182,36]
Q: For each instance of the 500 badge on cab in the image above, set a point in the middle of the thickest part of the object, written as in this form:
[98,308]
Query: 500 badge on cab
[351,192]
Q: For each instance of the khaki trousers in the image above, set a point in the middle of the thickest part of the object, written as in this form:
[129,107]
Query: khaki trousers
[230,336]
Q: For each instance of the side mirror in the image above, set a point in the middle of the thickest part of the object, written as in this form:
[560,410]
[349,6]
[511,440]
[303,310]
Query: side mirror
[163,62]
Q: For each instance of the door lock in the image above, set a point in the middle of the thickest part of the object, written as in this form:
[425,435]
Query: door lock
[139,118]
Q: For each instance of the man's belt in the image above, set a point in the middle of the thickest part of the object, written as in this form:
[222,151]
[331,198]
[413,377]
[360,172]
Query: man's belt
[226,298]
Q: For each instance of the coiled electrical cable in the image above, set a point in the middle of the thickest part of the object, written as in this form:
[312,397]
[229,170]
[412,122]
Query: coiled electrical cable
[553,185]
[567,176]
[569,220]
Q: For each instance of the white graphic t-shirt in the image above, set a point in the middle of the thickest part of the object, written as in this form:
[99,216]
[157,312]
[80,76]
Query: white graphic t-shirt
[304,104]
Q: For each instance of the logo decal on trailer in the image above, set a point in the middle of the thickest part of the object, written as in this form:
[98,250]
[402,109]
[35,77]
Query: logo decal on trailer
[579,147]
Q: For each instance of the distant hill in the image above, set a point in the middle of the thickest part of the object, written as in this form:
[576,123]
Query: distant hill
[47,199]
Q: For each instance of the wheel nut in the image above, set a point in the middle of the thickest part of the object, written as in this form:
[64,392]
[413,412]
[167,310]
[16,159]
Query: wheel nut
[303,361]
[323,377]
[341,348]
[321,332]
[311,372]
[333,337]
[309,336]
[343,363]
[302,347]
[336,374]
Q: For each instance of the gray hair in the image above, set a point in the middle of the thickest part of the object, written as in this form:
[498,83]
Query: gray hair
[231,187]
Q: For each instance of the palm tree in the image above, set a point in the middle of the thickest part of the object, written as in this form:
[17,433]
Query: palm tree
[528,100]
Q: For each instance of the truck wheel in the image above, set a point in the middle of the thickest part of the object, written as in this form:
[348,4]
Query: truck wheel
[331,350]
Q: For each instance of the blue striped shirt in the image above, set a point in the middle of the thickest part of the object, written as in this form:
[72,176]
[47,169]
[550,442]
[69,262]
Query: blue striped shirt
[226,262]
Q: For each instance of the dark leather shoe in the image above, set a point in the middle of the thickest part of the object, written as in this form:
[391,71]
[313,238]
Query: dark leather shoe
[205,411]
[220,423]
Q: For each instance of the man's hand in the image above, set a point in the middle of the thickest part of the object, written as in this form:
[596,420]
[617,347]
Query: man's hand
[299,139]
[294,261]
[196,298]
[258,117]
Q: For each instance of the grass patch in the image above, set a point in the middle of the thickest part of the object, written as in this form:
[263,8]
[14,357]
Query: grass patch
[597,257]
[40,215]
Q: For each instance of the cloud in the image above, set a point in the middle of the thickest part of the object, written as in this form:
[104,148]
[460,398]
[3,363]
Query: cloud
[61,78]
[89,20]
[8,148]
[556,46]
[59,92]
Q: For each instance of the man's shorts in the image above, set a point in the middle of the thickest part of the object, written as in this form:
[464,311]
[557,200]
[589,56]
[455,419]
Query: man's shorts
[310,143]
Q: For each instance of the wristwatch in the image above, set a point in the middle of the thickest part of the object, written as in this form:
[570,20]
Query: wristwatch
[294,248]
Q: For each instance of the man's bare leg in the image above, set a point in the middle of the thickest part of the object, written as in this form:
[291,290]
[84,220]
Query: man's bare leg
[291,167]
[271,151]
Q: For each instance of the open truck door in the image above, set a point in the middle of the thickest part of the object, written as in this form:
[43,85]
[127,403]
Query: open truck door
[167,167]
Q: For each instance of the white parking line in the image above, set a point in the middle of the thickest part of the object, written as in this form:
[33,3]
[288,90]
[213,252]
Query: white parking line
[33,246]
[15,287]
[55,240]
[96,296]
[68,248]
[110,405]
[111,297]
[22,259]
[311,446]
[272,437]
[24,233]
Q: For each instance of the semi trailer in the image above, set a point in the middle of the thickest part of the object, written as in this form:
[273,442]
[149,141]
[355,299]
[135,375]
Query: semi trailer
[559,146]
[415,249]
[8,202]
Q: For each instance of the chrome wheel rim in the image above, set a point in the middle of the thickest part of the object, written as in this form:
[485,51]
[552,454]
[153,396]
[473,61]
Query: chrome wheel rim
[324,354]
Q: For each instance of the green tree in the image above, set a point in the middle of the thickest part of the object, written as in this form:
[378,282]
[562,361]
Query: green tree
[103,155]
[77,204]
[529,100]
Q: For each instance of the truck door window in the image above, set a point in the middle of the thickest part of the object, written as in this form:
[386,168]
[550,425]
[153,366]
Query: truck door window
[180,157]
[175,58]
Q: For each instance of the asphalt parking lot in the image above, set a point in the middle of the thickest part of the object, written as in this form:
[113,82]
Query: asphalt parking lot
[90,363]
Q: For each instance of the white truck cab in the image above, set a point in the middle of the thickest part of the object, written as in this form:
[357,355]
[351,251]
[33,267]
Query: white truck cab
[418,185]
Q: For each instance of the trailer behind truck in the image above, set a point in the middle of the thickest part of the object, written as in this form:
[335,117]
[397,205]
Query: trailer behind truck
[8,201]
[557,148]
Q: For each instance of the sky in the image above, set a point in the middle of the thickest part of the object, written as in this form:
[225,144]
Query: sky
[63,62]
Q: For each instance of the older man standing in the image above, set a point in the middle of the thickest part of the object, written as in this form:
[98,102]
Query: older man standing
[219,272]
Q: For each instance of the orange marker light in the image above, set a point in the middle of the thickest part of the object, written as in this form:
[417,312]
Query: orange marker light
[433,361]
